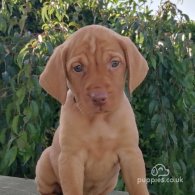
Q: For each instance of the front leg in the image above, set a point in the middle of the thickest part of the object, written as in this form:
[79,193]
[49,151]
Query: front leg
[71,172]
[133,168]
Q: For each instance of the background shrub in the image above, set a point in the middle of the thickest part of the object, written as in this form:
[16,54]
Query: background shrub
[164,104]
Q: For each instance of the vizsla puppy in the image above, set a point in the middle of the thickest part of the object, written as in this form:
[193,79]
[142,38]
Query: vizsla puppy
[97,134]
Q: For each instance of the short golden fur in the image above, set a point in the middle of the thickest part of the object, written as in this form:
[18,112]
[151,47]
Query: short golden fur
[97,134]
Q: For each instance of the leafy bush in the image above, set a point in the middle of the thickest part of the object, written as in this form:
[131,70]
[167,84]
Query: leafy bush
[168,107]
[164,104]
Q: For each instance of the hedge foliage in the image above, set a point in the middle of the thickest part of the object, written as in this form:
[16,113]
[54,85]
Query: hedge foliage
[164,104]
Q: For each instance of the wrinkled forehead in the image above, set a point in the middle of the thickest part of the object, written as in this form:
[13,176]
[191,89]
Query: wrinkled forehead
[93,40]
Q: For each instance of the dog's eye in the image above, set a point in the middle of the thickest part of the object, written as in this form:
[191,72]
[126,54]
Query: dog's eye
[78,68]
[115,63]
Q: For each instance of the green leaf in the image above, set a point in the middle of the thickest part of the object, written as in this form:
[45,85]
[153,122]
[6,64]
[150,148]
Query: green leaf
[161,130]
[28,114]
[22,22]
[3,24]
[20,93]
[11,141]
[141,38]
[174,139]
[34,108]
[14,125]
[188,81]
[165,102]
[161,57]
[50,11]
[49,47]
[22,140]
[9,111]
[34,131]
[177,169]
[44,14]
[10,156]
[154,121]
[27,156]
[153,106]
[73,24]
[27,69]
[59,16]
[153,62]
[170,116]
[20,60]
[183,166]
[13,22]
[2,136]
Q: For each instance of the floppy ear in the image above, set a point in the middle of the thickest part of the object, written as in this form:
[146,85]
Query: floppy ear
[53,78]
[136,64]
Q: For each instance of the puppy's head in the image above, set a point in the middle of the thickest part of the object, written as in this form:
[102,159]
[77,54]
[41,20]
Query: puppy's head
[93,63]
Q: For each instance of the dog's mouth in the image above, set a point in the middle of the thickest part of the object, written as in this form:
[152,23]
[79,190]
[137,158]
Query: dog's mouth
[97,109]
[101,109]
[95,103]
[91,108]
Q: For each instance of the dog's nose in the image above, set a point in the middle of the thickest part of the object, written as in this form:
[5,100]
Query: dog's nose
[99,98]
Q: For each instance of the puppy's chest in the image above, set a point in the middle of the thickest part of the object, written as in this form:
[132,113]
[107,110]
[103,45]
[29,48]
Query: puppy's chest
[101,141]
[102,158]
[101,168]
[100,163]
